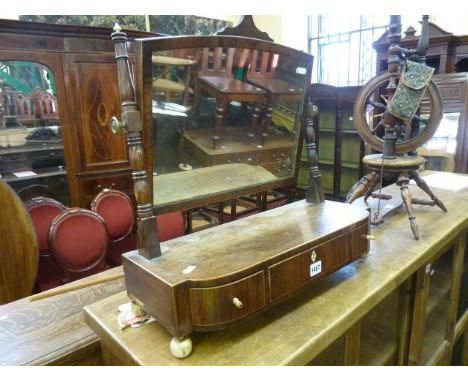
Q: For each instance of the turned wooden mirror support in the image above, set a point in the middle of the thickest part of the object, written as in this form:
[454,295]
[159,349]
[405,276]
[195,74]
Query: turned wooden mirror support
[131,122]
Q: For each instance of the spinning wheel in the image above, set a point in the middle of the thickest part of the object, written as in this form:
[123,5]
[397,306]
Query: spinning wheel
[368,116]
[396,112]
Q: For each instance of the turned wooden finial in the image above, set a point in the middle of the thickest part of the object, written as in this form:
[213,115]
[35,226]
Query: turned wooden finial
[117,28]
[314,193]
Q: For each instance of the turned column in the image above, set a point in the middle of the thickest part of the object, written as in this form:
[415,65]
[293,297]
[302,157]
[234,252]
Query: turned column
[314,193]
[131,122]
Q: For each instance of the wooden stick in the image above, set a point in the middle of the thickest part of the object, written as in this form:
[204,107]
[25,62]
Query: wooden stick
[70,288]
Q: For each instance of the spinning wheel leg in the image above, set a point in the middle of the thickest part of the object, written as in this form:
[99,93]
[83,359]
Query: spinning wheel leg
[423,186]
[372,186]
[181,347]
[362,186]
[402,182]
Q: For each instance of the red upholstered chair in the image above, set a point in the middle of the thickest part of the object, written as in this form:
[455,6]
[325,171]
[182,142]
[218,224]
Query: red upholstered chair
[170,225]
[43,211]
[116,208]
[78,240]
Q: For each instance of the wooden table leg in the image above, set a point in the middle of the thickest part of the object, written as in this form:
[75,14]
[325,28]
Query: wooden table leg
[219,118]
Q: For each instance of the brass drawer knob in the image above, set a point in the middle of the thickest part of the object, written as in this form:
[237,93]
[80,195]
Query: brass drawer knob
[237,303]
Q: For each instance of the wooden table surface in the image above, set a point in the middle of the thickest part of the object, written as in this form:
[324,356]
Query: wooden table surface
[296,331]
[53,331]
[187,185]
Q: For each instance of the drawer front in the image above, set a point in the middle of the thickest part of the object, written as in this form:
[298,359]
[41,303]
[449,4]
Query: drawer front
[280,169]
[360,241]
[246,157]
[276,155]
[229,302]
[296,271]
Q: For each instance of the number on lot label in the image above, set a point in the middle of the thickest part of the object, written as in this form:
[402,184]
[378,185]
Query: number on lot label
[315,268]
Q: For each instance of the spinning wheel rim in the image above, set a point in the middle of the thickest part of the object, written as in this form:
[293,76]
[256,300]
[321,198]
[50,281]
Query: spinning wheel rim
[375,142]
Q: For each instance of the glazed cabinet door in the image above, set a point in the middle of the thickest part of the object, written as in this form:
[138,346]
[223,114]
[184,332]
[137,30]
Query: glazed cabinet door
[437,307]
[34,124]
[93,94]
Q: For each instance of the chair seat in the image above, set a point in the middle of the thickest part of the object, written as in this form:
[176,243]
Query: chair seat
[276,86]
[231,85]
[161,84]
[399,163]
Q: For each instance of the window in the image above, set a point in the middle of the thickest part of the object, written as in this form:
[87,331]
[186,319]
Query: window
[342,47]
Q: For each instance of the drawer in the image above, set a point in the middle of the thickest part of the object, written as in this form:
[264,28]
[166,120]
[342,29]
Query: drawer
[292,273]
[216,306]
[360,241]
[245,157]
[279,169]
[276,155]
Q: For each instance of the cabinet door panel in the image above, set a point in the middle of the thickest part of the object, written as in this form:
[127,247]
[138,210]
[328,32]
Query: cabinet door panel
[95,99]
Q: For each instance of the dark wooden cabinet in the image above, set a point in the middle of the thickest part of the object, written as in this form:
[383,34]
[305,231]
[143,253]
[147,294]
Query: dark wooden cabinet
[83,65]
[447,52]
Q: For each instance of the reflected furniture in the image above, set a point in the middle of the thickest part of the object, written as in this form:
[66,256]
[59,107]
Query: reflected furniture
[216,77]
[261,72]
[269,166]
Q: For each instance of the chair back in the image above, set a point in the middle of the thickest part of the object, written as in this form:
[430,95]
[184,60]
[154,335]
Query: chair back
[23,105]
[170,225]
[43,211]
[262,65]
[116,208]
[78,239]
[220,61]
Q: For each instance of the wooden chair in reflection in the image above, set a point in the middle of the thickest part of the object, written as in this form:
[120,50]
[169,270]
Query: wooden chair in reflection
[44,107]
[262,73]
[216,78]
[23,109]
[168,84]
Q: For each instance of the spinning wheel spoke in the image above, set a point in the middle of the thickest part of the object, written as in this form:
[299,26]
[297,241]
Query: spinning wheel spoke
[368,110]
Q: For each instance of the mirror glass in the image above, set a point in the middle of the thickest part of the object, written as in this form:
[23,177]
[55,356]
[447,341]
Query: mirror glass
[31,149]
[224,119]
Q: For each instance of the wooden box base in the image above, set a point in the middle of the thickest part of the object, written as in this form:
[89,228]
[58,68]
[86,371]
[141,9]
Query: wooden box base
[213,279]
